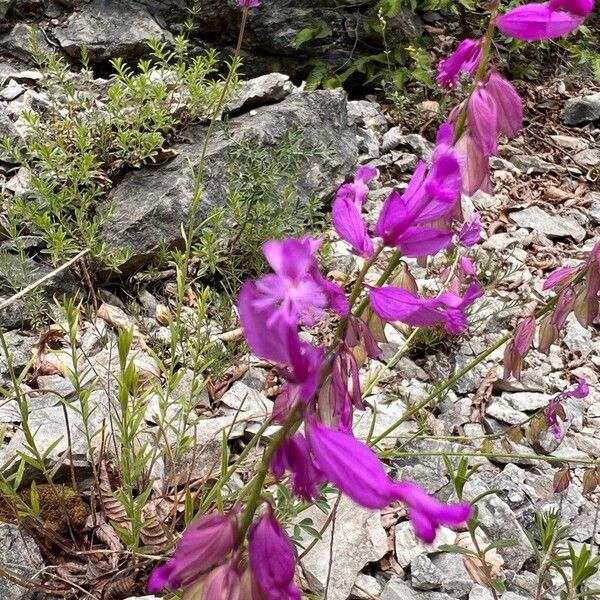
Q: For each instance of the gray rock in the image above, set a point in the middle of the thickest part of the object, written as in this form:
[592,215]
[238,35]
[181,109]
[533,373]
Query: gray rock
[359,538]
[498,521]
[578,338]
[20,554]
[589,158]
[109,28]
[19,346]
[527,401]
[259,91]
[500,409]
[408,546]
[594,210]
[397,589]
[553,226]
[479,592]
[513,596]
[150,205]
[456,581]
[17,42]
[569,142]
[424,575]
[366,588]
[4,6]
[532,164]
[578,111]
[8,130]
[11,91]
[247,402]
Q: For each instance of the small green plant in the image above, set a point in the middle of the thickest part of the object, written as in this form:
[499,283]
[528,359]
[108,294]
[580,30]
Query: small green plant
[263,203]
[83,140]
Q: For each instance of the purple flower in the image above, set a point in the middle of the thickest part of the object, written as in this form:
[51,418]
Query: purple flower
[482,120]
[397,304]
[222,583]
[429,196]
[357,472]
[300,361]
[582,8]
[554,410]
[518,348]
[272,558]
[508,104]
[346,211]
[547,334]
[564,306]
[465,58]
[560,277]
[291,292]
[470,233]
[206,542]
[426,513]
[531,22]
[249,3]
[294,456]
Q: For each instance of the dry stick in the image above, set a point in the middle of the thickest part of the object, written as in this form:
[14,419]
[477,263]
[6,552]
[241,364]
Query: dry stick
[48,276]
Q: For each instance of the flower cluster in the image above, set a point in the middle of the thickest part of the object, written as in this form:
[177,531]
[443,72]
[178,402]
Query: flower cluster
[578,292]
[241,556]
[208,563]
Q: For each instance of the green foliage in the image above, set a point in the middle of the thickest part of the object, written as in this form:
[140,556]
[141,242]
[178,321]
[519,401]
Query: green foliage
[91,131]
[263,203]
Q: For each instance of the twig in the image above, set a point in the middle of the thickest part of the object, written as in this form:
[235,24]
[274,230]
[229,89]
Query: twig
[48,276]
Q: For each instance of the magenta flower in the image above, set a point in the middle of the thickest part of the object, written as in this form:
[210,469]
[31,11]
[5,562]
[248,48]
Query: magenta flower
[222,583]
[519,347]
[249,3]
[482,119]
[357,472]
[430,196]
[291,293]
[465,58]
[564,306]
[426,513]
[205,543]
[294,456]
[470,233]
[560,277]
[508,104]
[554,410]
[272,558]
[581,8]
[300,362]
[346,211]
[545,21]
[397,304]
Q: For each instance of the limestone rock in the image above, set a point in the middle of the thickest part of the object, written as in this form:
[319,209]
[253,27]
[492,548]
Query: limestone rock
[150,205]
[110,28]
[358,539]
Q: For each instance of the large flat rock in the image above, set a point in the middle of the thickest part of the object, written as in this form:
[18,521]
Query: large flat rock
[152,204]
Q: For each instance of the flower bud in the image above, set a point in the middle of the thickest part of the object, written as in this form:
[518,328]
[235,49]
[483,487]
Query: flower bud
[272,558]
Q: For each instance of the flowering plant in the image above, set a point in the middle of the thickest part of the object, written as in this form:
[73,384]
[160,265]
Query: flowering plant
[238,554]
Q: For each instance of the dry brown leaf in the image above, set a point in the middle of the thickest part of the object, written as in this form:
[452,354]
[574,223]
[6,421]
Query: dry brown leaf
[473,564]
[163,314]
[119,319]
[113,508]
[154,532]
[235,335]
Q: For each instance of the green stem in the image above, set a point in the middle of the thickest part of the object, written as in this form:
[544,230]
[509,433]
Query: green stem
[263,470]
[446,385]
[356,290]
[389,270]
[479,75]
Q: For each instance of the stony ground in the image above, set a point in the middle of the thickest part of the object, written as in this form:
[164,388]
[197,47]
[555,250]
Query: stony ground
[545,214]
